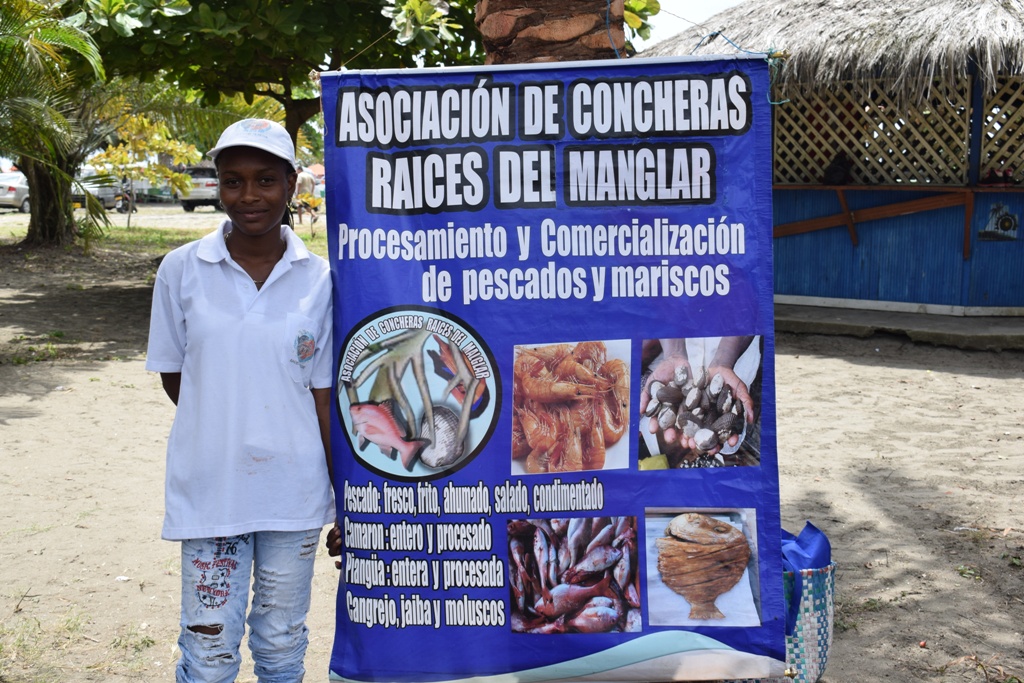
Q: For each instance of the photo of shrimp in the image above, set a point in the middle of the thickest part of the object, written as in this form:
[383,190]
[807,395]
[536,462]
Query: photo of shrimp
[574,575]
[570,407]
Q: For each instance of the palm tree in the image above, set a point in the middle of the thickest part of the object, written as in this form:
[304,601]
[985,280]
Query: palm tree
[34,126]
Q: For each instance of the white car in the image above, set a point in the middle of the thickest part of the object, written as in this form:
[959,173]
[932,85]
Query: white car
[205,190]
[14,191]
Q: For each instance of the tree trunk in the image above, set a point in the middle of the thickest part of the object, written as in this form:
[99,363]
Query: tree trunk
[523,31]
[52,222]
[297,112]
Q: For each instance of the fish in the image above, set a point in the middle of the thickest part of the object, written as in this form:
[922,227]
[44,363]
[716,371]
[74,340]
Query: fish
[566,597]
[703,529]
[578,536]
[623,571]
[542,553]
[523,624]
[445,368]
[595,619]
[701,558]
[446,448]
[595,561]
[375,423]
[634,622]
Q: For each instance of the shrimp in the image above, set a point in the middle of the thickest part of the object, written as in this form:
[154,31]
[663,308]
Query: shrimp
[537,462]
[539,429]
[576,415]
[571,369]
[544,388]
[614,409]
[594,447]
[591,354]
[520,446]
[572,455]
[571,403]
[551,354]
[540,385]
[526,364]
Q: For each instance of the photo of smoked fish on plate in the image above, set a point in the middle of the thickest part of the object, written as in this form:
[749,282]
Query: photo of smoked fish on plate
[699,568]
[570,407]
[574,575]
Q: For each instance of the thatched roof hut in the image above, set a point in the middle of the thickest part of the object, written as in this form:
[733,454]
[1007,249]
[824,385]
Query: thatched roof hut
[892,85]
[901,121]
[906,43]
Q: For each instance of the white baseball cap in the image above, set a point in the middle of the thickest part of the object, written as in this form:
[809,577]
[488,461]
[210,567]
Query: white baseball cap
[259,133]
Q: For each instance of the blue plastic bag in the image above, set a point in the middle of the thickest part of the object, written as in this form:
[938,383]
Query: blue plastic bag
[810,550]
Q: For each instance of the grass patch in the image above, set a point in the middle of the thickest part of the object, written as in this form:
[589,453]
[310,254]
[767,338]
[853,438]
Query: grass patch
[140,239]
[317,244]
[26,353]
[29,649]
[843,617]
[145,240]
[969,572]
[131,641]
[127,654]
[20,646]
[845,614]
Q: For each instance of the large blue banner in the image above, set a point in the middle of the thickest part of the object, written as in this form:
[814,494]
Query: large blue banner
[555,450]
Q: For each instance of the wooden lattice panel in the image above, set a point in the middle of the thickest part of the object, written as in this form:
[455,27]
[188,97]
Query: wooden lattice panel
[888,145]
[1002,142]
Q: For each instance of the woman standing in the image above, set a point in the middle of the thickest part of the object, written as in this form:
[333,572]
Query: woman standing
[241,336]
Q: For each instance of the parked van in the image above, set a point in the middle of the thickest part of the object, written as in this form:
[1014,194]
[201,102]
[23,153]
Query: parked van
[103,187]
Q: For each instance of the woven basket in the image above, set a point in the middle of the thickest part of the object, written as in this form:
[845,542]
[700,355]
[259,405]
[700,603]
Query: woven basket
[807,648]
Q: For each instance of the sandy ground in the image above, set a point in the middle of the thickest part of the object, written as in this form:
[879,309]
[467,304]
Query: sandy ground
[911,458]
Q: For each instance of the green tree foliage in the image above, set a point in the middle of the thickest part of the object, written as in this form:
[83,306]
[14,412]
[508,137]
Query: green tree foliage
[32,40]
[140,141]
[182,111]
[272,48]
[422,22]
[636,14]
[38,125]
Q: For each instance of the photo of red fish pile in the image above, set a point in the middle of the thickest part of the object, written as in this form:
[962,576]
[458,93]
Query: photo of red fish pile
[574,575]
[570,403]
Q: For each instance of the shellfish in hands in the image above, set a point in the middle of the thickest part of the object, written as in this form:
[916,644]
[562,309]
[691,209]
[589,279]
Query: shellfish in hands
[701,558]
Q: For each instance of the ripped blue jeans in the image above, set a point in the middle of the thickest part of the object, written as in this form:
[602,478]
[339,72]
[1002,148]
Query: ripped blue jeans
[215,575]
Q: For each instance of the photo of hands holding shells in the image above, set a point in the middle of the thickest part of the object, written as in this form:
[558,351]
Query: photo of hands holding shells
[570,407]
[416,405]
[701,567]
[574,575]
[700,402]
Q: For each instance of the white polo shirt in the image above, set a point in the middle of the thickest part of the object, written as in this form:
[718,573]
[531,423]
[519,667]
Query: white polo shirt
[244,453]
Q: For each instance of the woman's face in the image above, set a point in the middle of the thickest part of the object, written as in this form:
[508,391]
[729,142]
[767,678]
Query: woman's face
[255,187]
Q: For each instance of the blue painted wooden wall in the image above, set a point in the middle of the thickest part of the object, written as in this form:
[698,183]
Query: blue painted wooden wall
[912,259]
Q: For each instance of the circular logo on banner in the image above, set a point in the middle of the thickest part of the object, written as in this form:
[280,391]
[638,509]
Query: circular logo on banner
[417,393]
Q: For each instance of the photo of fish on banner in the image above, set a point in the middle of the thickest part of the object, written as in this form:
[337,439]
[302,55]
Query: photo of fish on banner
[574,575]
[570,407]
[699,403]
[416,393]
[701,567]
